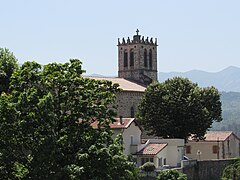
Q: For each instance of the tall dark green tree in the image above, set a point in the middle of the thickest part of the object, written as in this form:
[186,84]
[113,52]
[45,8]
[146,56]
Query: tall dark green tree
[8,64]
[178,108]
[45,126]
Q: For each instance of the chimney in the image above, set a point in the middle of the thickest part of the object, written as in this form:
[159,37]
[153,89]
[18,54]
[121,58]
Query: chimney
[121,120]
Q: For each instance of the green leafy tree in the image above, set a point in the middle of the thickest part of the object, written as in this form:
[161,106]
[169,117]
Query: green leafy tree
[8,64]
[148,167]
[45,126]
[178,108]
[232,171]
[171,175]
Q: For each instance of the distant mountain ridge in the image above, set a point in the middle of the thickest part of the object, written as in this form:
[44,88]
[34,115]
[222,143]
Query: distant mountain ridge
[226,80]
[230,113]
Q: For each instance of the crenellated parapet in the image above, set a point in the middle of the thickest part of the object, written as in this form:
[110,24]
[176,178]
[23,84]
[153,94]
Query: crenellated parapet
[137,39]
[137,59]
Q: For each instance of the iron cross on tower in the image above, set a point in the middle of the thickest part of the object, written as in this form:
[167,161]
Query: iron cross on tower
[137,31]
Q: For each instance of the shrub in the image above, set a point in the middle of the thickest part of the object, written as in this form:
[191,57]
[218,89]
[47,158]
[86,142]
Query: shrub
[148,167]
[171,175]
[232,171]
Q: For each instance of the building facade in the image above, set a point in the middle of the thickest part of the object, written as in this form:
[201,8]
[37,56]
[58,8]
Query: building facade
[137,59]
[162,152]
[128,99]
[137,68]
[130,130]
[217,145]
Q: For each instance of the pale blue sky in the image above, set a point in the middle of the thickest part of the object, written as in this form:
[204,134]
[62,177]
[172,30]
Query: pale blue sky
[203,34]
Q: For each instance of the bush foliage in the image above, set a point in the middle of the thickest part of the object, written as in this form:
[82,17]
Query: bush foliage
[232,171]
[171,175]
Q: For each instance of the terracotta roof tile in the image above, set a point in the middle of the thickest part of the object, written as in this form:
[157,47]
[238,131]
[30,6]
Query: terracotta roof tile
[124,84]
[152,149]
[216,135]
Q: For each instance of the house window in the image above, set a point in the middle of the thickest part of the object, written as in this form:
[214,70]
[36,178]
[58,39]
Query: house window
[144,160]
[145,58]
[125,58]
[131,57]
[215,149]
[164,161]
[160,162]
[188,149]
[132,140]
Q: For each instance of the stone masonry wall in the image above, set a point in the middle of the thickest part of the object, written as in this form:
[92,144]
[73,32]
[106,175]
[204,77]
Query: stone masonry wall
[206,170]
[134,72]
[127,99]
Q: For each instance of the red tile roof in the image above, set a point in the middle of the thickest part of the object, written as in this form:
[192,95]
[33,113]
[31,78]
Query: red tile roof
[124,84]
[216,135]
[117,125]
[152,149]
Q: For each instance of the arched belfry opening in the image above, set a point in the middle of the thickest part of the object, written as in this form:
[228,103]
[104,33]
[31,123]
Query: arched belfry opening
[150,58]
[145,58]
[131,58]
[125,58]
[137,59]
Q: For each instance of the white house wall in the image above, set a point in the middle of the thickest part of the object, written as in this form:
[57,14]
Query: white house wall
[132,130]
[175,150]
[206,149]
[234,146]
[162,154]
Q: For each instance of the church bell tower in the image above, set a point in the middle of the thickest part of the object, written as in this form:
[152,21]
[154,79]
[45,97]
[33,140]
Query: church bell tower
[137,59]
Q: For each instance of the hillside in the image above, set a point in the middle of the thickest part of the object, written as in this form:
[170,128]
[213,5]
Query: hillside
[231,113]
[225,80]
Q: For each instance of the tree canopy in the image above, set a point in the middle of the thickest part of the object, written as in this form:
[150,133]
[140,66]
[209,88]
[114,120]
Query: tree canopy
[148,167]
[45,126]
[178,108]
[171,175]
[232,171]
[8,64]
